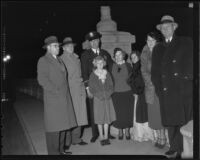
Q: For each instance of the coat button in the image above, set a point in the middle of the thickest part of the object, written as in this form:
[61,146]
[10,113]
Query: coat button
[165,89]
[163,76]
[174,61]
[175,74]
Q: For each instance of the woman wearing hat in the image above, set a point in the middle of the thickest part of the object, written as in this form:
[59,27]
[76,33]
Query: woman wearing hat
[172,76]
[77,91]
[154,117]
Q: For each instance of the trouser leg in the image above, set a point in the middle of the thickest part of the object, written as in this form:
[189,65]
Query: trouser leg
[175,138]
[54,141]
[93,125]
[68,140]
[76,135]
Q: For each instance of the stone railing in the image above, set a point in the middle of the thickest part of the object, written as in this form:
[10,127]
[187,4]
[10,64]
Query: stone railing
[187,132]
[30,87]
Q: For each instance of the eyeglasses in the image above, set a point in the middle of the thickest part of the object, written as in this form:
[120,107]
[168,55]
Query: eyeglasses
[55,45]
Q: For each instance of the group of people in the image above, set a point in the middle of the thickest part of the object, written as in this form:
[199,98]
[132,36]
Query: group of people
[150,94]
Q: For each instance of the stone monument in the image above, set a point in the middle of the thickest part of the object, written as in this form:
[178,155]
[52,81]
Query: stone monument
[111,38]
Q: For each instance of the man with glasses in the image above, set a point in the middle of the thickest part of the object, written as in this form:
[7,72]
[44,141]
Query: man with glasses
[59,114]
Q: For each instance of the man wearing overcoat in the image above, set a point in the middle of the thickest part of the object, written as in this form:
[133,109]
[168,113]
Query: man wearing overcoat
[172,75]
[59,114]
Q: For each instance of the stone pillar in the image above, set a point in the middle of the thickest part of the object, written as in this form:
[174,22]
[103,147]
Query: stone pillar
[111,38]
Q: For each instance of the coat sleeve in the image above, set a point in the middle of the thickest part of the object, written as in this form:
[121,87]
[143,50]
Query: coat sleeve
[156,69]
[94,87]
[43,76]
[145,73]
[85,68]
[110,87]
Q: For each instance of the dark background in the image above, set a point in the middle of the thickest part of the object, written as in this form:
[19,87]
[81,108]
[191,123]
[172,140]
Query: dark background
[27,24]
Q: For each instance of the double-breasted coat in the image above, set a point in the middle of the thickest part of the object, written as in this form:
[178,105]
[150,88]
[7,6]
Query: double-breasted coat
[172,75]
[58,109]
[76,86]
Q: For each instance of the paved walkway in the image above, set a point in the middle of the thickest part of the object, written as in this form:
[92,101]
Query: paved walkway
[30,112]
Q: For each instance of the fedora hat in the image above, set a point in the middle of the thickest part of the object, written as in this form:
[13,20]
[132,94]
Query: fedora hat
[68,40]
[166,19]
[93,35]
[49,40]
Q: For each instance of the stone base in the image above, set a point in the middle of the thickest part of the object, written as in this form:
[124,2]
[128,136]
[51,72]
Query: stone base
[187,132]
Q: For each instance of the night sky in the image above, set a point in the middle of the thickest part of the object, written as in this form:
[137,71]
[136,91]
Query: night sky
[28,23]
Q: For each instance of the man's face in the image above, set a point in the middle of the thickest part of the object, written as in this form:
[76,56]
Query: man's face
[95,43]
[167,29]
[53,48]
[69,48]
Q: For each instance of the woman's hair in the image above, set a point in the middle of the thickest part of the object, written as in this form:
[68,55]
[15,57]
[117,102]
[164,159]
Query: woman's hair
[155,35]
[119,49]
[96,59]
[135,52]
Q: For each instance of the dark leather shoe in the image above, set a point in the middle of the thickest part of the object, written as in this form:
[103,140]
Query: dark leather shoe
[161,146]
[93,139]
[121,137]
[106,141]
[111,137]
[128,137]
[82,143]
[102,142]
[65,153]
[170,152]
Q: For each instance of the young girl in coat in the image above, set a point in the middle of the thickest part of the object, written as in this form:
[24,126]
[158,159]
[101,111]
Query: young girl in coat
[101,86]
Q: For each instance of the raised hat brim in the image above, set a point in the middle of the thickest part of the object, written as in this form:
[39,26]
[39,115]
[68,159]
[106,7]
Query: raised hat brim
[63,44]
[159,25]
[45,46]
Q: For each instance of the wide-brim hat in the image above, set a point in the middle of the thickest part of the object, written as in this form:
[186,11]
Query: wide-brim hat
[49,40]
[93,35]
[166,19]
[68,40]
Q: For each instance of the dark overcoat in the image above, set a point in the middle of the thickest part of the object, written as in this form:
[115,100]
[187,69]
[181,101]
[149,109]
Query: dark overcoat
[172,74]
[87,58]
[58,109]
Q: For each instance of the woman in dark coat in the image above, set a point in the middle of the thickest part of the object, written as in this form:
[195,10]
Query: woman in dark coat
[141,131]
[122,97]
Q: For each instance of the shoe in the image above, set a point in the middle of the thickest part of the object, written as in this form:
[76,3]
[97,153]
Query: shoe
[102,142]
[82,143]
[65,153]
[106,142]
[111,137]
[128,137]
[121,137]
[161,146]
[66,147]
[93,139]
[170,152]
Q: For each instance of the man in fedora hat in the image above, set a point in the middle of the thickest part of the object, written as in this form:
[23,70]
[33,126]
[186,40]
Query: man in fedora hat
[59,114]
[172,75]
[77,90]
[87,67]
